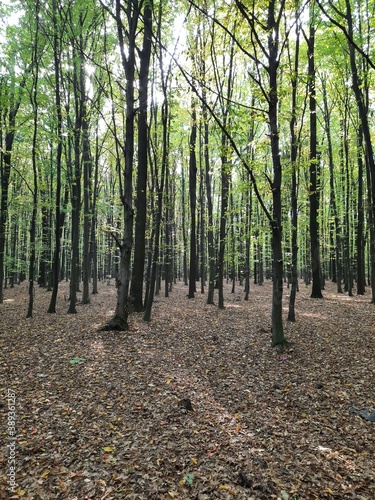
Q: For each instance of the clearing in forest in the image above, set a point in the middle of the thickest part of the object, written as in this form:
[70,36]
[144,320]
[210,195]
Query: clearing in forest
[194,405]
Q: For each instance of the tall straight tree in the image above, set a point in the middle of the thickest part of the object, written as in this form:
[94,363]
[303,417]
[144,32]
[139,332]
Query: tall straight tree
[294,192]
[335,225]
[136,288]
[225,171]
[193,198]
[56,43]
[75,173]
[265,41]
[268,87]
[158,181]
[316,291]
[34,103]
[361,279]
[127,28]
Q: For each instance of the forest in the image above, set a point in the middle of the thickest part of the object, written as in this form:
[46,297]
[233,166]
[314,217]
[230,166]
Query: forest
[187,249]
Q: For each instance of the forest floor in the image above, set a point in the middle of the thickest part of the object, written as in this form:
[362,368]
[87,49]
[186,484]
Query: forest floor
[106,415]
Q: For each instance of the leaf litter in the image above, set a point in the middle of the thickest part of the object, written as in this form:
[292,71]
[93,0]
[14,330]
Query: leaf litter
[194,405]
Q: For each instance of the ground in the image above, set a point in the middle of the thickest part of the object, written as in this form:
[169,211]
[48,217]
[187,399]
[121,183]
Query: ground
[194,405]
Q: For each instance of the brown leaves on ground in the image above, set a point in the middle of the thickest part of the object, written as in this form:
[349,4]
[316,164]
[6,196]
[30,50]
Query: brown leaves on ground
[194,405]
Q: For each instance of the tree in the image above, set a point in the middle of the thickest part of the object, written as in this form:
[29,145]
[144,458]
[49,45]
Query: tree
[136,290]
[34,103]
[126,30]
[316,291]
[56,46]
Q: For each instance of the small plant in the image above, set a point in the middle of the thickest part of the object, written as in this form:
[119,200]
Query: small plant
[77,361]
[188,479]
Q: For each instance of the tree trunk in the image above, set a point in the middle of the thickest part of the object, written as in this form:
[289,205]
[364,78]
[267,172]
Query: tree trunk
[360,221]
[249,203]
[277,254]
[363,115]
[193,201]
[294,191]
[75,185]
[336,237]
[136,289]
[210,221]
[314,164]
[58,227]
[131,9]
[34,102]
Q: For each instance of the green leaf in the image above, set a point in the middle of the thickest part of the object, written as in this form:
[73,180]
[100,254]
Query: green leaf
[188,479]
[76,361]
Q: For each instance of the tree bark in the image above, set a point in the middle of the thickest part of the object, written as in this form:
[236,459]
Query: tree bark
[58,227]
[136,288]
[34,103]
[193,200]
[316,291]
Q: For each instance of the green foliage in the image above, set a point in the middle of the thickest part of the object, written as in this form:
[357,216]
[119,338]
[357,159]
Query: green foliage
[77,361]
[188,479]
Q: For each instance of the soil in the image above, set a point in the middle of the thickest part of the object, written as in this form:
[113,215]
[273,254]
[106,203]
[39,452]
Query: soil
[195,404]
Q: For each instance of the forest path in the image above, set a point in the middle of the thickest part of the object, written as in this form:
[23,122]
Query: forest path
[105,415]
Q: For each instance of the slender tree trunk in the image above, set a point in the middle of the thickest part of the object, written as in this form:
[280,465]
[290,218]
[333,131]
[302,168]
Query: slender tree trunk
[294,191]
[158,215]
[233,244]
[58,227]
[34,102]
[183,222]
[193,200]
[202,226]
[361,220]
[76,188]
[249,203]
[167,235]
[210,221]
[314,164]
[136,288]
[120,319]
[223,219]
[87,219]
[337,271]
[347,225]
[277,254]
[225,181]
[93,225]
